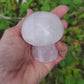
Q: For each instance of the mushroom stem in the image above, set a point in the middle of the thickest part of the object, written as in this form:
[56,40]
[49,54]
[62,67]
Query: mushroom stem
[45,53]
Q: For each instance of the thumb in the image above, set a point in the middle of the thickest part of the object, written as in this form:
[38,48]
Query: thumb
[29,12]
[19,25]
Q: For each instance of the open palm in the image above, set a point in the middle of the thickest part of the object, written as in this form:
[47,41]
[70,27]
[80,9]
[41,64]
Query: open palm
[17,66]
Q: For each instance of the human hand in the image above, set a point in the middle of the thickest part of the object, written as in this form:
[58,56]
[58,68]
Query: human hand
[17,66]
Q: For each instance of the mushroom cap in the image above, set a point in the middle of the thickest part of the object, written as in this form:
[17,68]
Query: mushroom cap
[42,28]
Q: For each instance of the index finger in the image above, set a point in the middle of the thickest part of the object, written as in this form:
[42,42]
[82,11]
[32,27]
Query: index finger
[60,11]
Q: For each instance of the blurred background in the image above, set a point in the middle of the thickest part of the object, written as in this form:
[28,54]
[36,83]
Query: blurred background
[71,69]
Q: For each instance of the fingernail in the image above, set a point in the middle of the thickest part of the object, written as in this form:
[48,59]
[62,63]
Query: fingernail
[66,8]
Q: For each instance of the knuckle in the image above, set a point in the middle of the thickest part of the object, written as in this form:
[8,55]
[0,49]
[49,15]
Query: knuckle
[8,31]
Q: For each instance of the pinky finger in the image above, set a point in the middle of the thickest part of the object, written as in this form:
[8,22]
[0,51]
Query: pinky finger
[62,48]
[58,59]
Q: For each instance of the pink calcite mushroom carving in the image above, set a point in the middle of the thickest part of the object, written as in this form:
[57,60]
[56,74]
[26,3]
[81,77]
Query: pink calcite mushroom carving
[42,30]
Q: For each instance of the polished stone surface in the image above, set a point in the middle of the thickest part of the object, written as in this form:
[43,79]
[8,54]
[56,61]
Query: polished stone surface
[42,28]
[45,53]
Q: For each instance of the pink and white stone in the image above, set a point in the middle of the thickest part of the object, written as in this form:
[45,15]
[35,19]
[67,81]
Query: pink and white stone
[42,30]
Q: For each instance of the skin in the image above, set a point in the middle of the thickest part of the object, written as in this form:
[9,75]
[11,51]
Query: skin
[17,66]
